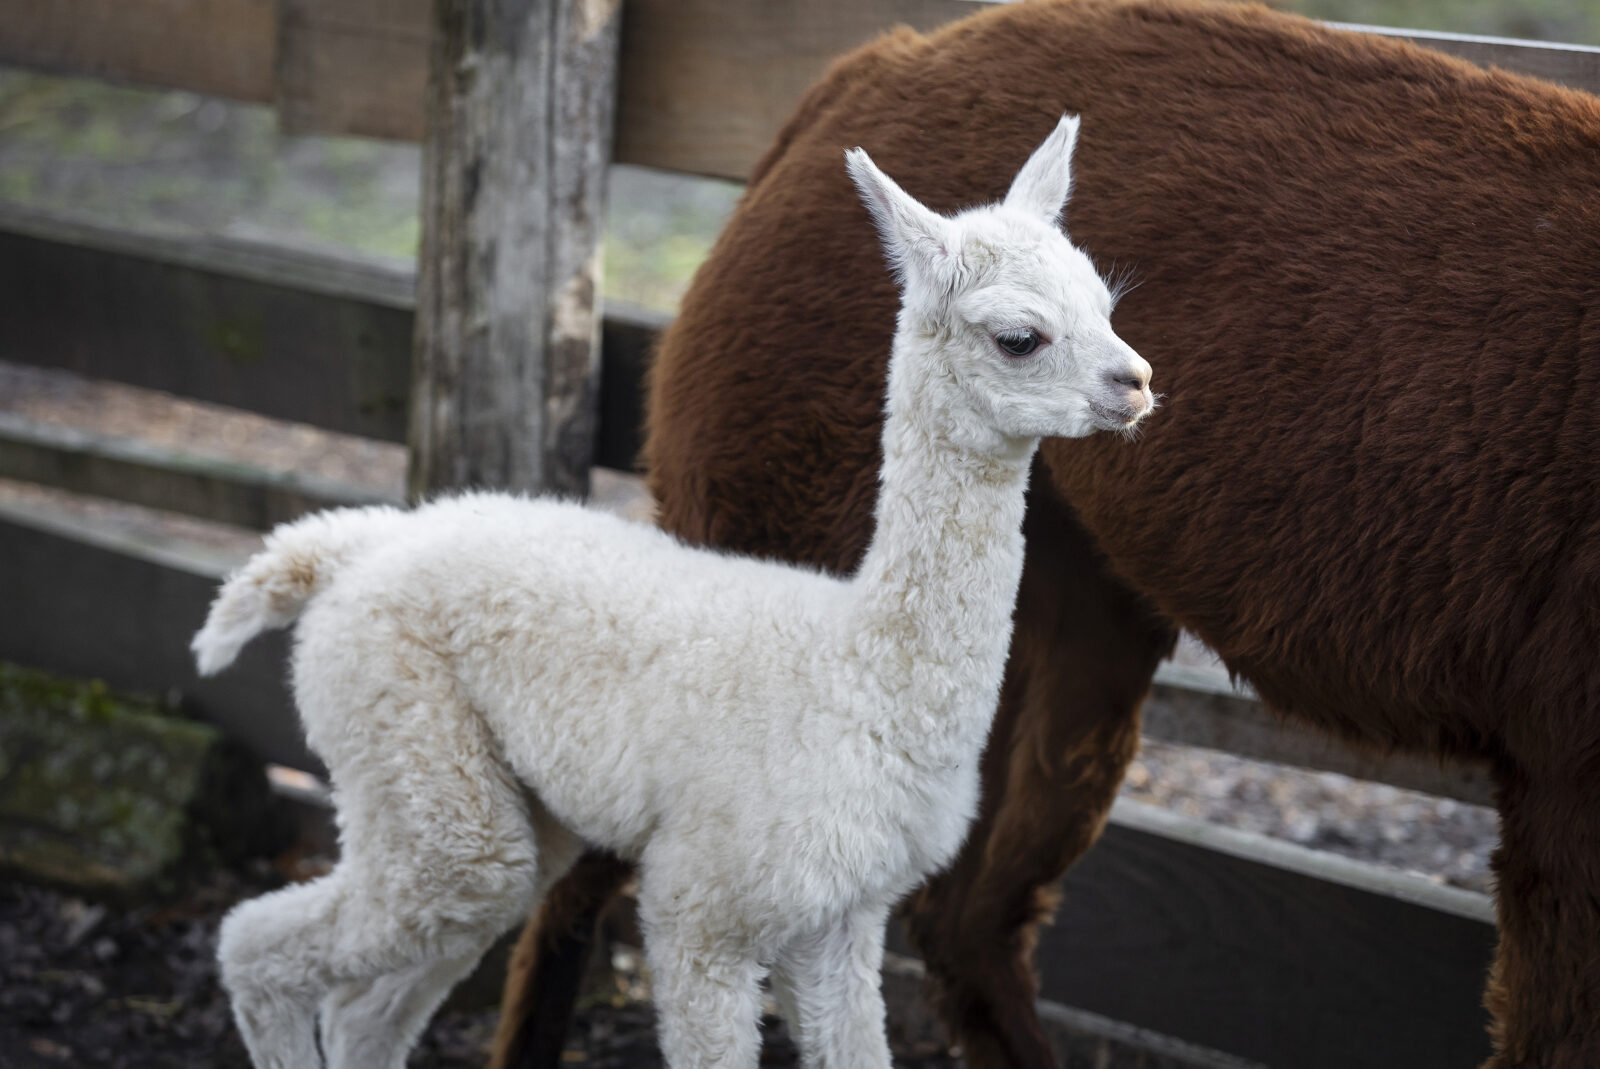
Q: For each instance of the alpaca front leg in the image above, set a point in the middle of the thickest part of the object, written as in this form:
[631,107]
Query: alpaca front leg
[707,994]
[708,1008]
[1544,991]
[830,983]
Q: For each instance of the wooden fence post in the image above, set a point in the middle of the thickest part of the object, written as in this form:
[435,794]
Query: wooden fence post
[521,95]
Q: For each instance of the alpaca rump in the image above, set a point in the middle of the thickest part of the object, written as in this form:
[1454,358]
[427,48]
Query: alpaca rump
[493,681]
[1368,276]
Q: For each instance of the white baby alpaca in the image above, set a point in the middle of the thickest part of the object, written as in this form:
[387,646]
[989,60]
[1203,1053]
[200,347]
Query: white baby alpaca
[494,681]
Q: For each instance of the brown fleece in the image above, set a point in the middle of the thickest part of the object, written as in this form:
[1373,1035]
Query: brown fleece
[1366,277]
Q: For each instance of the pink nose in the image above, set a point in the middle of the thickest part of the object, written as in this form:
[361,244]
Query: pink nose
[1136,376]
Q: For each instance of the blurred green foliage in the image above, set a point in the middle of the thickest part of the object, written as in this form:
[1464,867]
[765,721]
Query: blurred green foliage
[178,162]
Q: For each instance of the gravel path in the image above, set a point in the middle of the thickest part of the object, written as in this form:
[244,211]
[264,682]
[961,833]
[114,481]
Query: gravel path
[1445,841]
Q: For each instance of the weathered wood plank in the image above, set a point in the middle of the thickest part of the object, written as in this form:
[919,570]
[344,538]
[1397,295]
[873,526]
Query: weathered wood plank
[388,283]
[218,335]
[706,84]
[329,341]
[507,339]
[175,480]
[126,616]
[223,47]
[343,64]
[1264,950]
[1081,1039]
[1269,951]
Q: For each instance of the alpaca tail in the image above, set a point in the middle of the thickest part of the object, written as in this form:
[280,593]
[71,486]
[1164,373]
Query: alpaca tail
[274,585]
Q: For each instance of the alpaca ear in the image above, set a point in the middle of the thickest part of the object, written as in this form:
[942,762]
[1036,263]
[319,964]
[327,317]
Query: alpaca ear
[911,233]
[1045,181]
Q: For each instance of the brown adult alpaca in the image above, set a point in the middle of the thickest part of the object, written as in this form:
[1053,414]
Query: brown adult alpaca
[1368,285]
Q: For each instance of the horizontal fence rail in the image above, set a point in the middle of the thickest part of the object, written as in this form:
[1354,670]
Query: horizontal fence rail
[225,48]
[1200,707]
[293,334]
[705,84]
[93,601]
[172,479]
[1280,954]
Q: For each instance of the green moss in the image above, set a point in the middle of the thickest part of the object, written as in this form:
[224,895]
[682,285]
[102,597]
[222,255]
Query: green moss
[97,788]
[24,689]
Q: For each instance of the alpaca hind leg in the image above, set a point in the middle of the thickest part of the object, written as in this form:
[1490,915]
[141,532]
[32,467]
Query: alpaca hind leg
[333,943]
[374,1024]
[338,945]
[375,961]
[1544,990]
[1081,660]
[272,988]
[830,984]
[438,858]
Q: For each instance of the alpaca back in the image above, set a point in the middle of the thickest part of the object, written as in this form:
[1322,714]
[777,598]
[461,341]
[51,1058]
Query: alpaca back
[569,636]
[1365,274]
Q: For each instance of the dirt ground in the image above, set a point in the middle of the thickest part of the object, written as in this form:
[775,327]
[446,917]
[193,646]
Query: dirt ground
[95,984]
[85,984]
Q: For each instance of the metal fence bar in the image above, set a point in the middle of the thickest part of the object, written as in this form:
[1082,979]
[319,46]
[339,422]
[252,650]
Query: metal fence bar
[704,84]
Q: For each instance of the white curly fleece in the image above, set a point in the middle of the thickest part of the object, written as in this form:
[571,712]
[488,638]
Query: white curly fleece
[493,681]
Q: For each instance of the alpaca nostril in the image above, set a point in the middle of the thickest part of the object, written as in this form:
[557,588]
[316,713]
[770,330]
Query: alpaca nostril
[1136,376]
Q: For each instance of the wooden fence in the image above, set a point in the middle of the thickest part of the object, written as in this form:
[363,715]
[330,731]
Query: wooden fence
[1265,951]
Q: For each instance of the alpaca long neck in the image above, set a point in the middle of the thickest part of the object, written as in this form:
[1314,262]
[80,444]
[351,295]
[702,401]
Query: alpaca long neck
[936,590]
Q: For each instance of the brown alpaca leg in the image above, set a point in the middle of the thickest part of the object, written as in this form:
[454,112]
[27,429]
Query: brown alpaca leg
[1081,661]
[1544,991]
[547,965]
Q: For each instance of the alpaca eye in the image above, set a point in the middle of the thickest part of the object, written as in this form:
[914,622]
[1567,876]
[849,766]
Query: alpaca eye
[1018,342]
